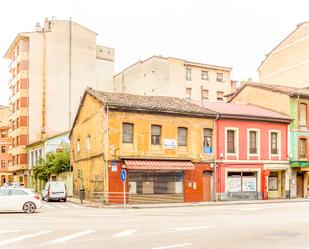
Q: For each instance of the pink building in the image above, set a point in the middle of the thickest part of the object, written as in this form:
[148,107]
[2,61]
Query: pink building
[251,152]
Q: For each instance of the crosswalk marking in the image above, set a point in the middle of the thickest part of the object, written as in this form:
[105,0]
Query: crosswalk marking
[72,236]
[23,237]
[125,233]
[47,206]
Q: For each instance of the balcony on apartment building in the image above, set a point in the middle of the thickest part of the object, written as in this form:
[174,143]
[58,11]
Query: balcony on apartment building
[20,75]
[21,57]
[17,95]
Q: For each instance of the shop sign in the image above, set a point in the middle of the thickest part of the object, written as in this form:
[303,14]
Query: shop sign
[208,150]
[249,184]
[169,143]
[114,166]
[234,184]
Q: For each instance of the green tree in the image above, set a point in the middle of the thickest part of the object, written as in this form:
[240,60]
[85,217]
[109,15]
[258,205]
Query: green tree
[55,162]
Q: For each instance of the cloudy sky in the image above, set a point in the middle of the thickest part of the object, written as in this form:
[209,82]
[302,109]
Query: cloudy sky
[236,33]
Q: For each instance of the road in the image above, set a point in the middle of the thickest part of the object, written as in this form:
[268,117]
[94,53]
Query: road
[66,225]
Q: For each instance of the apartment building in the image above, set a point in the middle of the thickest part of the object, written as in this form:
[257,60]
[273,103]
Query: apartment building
[50,68]
[168,76]
[288,63]
[5,143]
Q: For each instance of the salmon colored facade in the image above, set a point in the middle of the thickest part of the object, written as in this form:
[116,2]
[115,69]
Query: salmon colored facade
[244,175]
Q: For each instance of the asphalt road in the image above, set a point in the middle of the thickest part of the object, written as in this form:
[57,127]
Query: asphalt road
[66,225]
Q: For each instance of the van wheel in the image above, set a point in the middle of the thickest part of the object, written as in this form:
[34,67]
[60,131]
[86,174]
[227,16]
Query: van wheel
[65,200]
[29,207]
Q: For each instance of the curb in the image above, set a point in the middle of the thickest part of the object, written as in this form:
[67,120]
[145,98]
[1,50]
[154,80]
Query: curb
[223,203]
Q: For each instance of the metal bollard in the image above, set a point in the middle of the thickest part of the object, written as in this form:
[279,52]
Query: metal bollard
[82,195]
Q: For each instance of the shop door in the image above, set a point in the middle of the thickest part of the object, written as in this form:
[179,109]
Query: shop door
[300,186]
[206,186]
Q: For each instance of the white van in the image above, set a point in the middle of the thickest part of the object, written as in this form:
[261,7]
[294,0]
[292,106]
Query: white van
[54,191]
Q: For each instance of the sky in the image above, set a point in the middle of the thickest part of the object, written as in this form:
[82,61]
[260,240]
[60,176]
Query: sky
[233,33]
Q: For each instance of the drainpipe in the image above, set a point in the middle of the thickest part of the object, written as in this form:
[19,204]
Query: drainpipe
[216,136]
[105,171]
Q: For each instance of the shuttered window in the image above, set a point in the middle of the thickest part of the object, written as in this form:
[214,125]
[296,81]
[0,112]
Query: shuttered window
[274,143]
[155,134]
[127,133]
[253,142]
[231,147]
[182,136]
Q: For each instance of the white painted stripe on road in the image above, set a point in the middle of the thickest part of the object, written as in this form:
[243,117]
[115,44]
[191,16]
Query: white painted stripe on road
[190,228]
[20,238]
[72,236]
[61,206]
[47,206]
[75,206]
[173,246]
[9,231]
[125,233]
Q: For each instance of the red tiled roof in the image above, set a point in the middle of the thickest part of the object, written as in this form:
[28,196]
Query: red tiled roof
[242,111]
[158,165]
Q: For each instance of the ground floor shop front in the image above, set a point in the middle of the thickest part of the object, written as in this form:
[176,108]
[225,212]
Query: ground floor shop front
[300,181]
[160,181]
[5,177]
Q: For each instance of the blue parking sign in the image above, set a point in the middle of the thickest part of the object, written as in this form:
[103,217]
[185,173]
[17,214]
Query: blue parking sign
[123,175]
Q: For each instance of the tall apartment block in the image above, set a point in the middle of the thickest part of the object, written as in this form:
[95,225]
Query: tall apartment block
[5,144]
[168,76]
[50,69]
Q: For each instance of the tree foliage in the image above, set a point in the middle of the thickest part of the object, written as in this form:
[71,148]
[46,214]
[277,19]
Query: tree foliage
[55,162]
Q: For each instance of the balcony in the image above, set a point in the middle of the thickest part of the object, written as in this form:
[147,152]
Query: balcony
[21,75]
[20,57]
[18,131]
[17,150]
[17,167]
[18,95]
[18,113]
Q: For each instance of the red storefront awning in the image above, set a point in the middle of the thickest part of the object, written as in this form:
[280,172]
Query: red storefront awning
[159,165]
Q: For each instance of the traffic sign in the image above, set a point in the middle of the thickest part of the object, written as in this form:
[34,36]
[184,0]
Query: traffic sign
[123,175]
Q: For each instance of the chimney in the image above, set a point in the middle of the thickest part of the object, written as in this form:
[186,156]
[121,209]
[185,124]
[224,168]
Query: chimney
[38,27]
[46,24]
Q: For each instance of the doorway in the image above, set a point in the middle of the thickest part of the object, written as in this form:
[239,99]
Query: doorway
[207,185]
[300,185]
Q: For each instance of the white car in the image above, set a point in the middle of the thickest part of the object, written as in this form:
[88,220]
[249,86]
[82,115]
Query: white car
[19,199]
[54,191]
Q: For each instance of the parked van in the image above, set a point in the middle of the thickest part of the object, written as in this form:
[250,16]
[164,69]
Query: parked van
[54,191]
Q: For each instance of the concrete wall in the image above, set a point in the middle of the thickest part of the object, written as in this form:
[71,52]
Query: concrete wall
[268,99]
[162,76]
[91,65]
[288,64]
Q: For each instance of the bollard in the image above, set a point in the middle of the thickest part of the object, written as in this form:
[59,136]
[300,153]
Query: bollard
[82,195]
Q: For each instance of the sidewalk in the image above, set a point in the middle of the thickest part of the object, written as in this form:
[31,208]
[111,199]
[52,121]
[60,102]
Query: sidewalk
[187,204]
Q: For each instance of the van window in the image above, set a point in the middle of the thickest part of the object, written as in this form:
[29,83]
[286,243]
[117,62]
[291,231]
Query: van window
[57,187]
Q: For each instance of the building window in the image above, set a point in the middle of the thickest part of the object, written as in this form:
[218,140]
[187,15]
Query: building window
[2,149]
[78,146]
[274,143]
[88,143]
[231,141]
[3,134]
[303,115]
[9,163]
[204,75]
[253,142]
[155,134]
[188,93]
[204,94]
[2,164]
[220,77]
[188,74]
[303,148]
[32,158]
[17,159]
[17,122]
[220,96]
[127,133]
[207,141]
[182,136]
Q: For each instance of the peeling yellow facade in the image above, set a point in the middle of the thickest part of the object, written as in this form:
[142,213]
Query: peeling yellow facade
[94,120]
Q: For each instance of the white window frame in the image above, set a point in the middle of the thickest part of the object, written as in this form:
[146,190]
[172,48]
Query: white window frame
[236,142]
[258,143]
[279,143]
